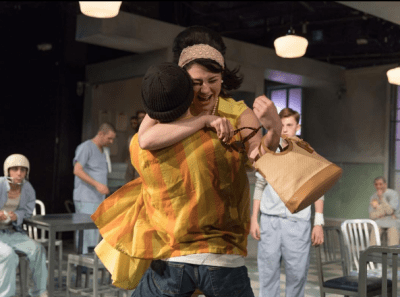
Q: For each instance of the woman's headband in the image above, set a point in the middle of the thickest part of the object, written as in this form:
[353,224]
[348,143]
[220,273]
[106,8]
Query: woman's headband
[198,51]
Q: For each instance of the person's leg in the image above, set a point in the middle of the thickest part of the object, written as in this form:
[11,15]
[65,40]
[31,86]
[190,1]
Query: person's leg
[296,241]
[393,236]
[36,254]
[89,236]
[167,279]
[8,267]
[269,256]
[217,281]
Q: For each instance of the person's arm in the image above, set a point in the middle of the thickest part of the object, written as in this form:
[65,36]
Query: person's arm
[392,200]
[317,235]
[254,226]
[249,119]
[154,135]
[79,172]
[266,112]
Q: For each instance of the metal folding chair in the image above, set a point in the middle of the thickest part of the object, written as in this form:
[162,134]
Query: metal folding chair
[23,273]
[42,237]
[389,256]
[357,239]
[92,262]
[332,251]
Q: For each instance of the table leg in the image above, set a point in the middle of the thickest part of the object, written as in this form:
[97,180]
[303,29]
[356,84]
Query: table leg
[79,268]
[51,258]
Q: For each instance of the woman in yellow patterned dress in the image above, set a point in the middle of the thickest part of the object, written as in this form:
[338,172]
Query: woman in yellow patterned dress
[191,204]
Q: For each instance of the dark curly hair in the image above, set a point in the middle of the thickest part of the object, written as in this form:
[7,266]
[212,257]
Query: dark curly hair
[203,35]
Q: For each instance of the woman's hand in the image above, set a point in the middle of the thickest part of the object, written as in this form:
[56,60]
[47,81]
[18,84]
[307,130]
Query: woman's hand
[255,228]
[12,215]
[266,112]
[3,217]
[222,126]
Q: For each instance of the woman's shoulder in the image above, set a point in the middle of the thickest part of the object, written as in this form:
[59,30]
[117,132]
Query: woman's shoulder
[229,106]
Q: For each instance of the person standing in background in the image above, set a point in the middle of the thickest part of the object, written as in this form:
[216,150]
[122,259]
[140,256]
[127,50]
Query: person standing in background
[91,170]
[134,124]
[140,114]
[281,234]
[131,173]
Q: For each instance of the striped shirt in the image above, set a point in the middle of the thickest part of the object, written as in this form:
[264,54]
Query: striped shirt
[191,198]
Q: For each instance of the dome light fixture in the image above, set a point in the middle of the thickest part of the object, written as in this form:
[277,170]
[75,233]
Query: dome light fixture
[394,76]
[290,45]
[100,9]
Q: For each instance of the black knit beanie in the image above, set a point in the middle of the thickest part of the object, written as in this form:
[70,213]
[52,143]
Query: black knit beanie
[167,92]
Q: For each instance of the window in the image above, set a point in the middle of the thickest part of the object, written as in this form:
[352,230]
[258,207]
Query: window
[284,96]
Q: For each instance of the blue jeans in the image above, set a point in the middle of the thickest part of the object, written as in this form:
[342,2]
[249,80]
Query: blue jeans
[182,279]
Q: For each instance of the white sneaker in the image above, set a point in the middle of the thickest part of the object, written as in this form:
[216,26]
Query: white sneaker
[44,294]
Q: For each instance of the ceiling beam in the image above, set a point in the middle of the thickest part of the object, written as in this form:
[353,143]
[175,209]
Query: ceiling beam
[387,10]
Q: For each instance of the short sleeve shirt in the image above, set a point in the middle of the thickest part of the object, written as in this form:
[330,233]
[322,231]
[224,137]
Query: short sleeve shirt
[94,163]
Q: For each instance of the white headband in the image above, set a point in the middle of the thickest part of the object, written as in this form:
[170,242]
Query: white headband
[197,51]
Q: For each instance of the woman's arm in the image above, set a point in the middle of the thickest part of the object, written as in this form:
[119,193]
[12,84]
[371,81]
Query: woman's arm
[249,119]
[267,114]
[154,135]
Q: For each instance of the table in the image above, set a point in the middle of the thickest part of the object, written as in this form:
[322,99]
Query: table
[379,254]
[60,223]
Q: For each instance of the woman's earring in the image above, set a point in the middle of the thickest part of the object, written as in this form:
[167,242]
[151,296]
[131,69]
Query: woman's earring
[222,81]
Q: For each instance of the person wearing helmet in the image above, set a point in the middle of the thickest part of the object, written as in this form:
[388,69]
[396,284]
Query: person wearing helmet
[17,201]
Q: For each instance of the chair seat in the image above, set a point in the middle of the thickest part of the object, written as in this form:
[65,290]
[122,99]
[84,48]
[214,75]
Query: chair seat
[376,273]
[350,283]
[84,260]
[45,242]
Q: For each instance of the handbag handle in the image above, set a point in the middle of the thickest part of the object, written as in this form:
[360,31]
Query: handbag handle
[267,150]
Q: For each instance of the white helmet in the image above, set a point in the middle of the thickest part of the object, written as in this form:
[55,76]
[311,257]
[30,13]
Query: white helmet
[16,160]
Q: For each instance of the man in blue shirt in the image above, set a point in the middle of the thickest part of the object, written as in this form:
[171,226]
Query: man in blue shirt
[90,170]
[281,234]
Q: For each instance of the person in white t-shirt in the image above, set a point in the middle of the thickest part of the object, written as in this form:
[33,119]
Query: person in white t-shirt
[283,236]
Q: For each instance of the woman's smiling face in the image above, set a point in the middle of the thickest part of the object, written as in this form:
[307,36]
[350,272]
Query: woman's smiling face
[206,87]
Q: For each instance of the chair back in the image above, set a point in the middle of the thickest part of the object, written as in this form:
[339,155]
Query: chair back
[69,205]
[389,257]
[332,251]
[33,231]
[357,239]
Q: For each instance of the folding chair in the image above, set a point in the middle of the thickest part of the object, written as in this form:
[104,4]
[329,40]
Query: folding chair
[331,252]
[42,238]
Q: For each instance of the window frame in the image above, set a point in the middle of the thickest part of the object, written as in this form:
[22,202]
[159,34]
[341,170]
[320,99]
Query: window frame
[270,89]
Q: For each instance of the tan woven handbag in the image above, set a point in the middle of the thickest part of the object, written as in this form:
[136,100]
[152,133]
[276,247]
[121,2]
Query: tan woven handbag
[298,174]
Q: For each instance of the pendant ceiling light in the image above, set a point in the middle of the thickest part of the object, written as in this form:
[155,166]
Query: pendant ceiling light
[290,45]
[394,76]
[100,9]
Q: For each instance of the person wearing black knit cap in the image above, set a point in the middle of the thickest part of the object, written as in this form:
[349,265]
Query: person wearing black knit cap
[183,225]
[167,92]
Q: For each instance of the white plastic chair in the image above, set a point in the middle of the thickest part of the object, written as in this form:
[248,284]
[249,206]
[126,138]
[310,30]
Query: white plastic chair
[357,239]
[42,237]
